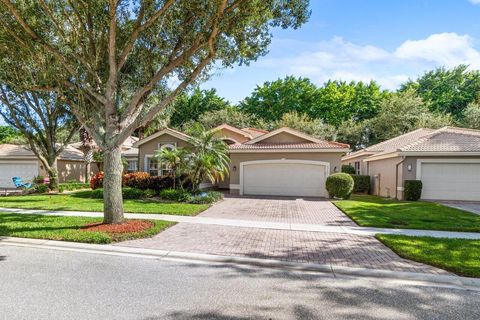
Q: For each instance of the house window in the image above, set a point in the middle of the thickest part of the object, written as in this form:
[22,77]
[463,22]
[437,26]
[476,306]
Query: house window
[132,166]
[357,167]
[153,166]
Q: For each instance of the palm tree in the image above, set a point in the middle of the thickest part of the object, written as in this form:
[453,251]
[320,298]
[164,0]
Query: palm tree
[209,158]
[173,159]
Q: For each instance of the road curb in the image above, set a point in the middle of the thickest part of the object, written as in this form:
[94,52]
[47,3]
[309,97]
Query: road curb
[470,283]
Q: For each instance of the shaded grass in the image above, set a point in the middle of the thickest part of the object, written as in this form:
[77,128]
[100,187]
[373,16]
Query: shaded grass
[460,256]
[372,211]
[81,201]
[67,228]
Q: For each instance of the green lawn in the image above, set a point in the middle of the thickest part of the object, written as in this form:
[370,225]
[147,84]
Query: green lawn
[456,255]
[81,201]
[372,211]
[66,228]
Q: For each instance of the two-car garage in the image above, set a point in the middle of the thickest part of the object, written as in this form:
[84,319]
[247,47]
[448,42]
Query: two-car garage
[445,179]
[26,170]
[284,178]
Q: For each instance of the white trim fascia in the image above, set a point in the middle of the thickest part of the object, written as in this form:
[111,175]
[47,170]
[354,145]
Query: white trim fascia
[292,161]
[450,160]
[168,131]
[145,162]
[284,129]
[286,150]
[234,186]
[233,129]
[382,156]
[437,153]
[360,153]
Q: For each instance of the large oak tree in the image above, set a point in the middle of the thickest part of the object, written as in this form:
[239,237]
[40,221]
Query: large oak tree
[110,57]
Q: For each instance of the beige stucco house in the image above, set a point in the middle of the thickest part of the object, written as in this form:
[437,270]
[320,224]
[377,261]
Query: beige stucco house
[282,162]
[446,160]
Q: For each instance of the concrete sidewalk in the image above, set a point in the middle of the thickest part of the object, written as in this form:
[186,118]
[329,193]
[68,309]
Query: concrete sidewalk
[360,231]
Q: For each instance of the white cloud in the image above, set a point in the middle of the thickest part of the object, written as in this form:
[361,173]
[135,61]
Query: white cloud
[474,1]
[343,60]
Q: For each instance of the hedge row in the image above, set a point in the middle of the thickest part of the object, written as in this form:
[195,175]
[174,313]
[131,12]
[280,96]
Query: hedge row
[361,183]
[139,180]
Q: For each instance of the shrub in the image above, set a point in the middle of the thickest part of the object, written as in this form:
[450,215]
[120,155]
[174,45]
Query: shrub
[132,193]
[413,190]
[97,193]
[41,188]
[97,181]
[339,185]
[206,197]
[137,180]
[39,179]
[361,183]
[149,193]
[177,195]
[346,168]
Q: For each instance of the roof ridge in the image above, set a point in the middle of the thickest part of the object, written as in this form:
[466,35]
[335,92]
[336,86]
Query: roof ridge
[394,139]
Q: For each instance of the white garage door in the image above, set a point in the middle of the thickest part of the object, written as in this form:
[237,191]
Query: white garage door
[25,170]
[451,181]
[284,178]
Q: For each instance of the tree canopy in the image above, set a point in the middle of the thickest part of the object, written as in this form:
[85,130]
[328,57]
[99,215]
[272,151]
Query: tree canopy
[448,90]
[334,102]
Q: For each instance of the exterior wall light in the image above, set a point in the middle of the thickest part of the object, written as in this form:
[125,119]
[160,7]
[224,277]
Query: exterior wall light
[234,168]
[409,167]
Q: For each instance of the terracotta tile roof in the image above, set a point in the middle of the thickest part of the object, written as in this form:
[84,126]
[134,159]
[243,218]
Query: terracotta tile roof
[448,139]
[307,145]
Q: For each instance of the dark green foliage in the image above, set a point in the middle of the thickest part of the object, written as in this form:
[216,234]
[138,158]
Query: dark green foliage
[41,188]
[361,183]
[448,90]
[334,102]
[413,190]
[346,168]
[149,193]
[9,134]
[177,195]
[127,193]
[132,193]
[339,185]
[191,107]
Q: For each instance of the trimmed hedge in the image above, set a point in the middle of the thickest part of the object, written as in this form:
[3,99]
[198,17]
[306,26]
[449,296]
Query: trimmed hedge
[361,183]
[177,195]
[339,185]
[141,180]
[127,193]
[346,168]
[413,190]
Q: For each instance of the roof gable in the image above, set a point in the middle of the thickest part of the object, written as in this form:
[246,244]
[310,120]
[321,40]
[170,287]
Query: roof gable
[226,127]
[300,137]
[166,131]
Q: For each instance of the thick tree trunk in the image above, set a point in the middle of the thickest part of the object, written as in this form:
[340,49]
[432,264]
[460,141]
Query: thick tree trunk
[52,171]
[112,186]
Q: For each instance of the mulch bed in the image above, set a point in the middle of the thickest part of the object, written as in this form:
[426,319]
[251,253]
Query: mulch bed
[126,227]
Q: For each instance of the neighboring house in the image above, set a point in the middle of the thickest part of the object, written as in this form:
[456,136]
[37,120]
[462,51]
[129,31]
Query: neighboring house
[282,162]
[446,160]
[20,161]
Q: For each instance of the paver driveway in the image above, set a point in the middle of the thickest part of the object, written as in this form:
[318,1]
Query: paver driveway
[287,245]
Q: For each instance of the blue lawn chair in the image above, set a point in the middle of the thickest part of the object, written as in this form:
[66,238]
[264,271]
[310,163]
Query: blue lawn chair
[19,184]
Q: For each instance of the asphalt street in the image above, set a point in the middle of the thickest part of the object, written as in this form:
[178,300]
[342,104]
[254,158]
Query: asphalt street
[51,284]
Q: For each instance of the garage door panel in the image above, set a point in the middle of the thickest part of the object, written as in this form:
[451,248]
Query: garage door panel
[284,179]
[26,171]
[451,181]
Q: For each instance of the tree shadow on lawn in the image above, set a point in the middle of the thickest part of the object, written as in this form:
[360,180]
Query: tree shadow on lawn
[20,219]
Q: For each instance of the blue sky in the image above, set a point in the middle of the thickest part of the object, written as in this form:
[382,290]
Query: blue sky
[385,40]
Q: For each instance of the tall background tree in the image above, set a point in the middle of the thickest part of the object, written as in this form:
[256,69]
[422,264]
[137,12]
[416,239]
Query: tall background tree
[111,57]
[44,120]
[9,134]
[448,90]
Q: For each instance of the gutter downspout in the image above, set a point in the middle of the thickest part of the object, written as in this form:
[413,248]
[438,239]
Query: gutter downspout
[396,176]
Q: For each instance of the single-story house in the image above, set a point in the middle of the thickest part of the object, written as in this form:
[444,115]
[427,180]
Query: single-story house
[447,161]
[282,162]
[20,161]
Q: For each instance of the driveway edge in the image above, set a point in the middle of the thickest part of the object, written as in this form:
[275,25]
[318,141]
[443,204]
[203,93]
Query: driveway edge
[471,283]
